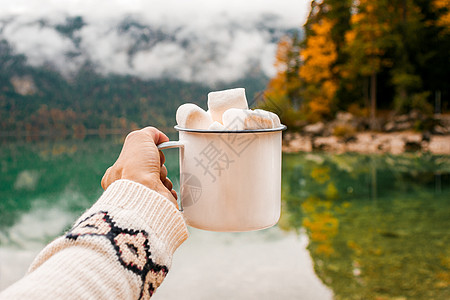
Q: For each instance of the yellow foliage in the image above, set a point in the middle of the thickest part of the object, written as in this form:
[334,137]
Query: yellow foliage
[281,57]
[277,86]
[363,41]
[444,277]
[321,174]
[325,249]
[308,206]
[355,247]
[284,87]
[329,88]
[358,111]
[318,236]
[331,192]
[318,107]
[320,223]
[444,19]
[344,130]
[346,204]
[319,57]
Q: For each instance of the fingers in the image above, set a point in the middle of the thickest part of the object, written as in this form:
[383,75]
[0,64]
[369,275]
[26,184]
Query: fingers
[163,173]
[166,181]
[162,158]
[168,184]
[138,162]
[104,179]
[172,198]
[108,178]
[157,136]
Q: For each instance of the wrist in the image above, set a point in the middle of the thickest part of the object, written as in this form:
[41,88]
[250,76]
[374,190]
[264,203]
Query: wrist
[130,200]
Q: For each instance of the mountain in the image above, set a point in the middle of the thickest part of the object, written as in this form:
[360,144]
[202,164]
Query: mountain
[61,81]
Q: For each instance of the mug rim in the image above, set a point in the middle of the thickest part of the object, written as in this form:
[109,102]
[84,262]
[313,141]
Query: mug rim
[281,128]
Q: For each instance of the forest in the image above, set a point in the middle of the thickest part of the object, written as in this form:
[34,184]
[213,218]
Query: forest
[39,101]
[369,58]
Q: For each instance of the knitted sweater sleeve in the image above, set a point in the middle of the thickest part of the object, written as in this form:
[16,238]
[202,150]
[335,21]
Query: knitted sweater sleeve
[121,248]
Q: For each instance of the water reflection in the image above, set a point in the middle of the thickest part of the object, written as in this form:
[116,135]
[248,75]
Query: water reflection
[378,225]
[46,172]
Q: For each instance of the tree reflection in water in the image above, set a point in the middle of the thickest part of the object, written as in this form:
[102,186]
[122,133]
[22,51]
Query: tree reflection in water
[377,225]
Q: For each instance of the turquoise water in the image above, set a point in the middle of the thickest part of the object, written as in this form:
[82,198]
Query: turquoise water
[374,226]
[378,225]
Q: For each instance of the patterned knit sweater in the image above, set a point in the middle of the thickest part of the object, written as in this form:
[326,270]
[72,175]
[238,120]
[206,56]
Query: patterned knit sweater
[121,248]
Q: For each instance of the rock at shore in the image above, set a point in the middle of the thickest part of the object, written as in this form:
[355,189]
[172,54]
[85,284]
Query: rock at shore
[370,142]
[348,133]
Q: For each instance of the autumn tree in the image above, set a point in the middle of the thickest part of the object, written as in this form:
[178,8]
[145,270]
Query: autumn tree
[306,71]
[283,93]
[338,12]
[317,70]
[398,40]
[443,9]
[381,54]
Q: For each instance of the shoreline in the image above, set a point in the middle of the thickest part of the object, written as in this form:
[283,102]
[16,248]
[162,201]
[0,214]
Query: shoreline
[369,142]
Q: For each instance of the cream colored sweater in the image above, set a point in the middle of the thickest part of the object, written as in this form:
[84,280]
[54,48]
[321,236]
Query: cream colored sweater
[121,248]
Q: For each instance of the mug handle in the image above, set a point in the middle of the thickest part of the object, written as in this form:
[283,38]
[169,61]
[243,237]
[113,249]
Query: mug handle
[168,145]
[171,144]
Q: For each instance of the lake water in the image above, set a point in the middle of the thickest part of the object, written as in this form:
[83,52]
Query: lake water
[352,226]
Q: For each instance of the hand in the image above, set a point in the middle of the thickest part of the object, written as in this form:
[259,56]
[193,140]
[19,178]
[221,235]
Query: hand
[142,162]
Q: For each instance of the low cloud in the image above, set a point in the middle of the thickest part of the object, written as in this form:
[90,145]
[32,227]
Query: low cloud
[197,40]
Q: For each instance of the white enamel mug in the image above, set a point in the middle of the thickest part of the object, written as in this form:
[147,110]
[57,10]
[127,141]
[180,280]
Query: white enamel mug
[229,180]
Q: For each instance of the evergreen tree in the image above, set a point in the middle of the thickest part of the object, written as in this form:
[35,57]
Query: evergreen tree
[366,44]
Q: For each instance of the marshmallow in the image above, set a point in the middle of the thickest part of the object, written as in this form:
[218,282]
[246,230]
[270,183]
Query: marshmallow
[258,120]
[275,118]
[216,126]
[244,119]
[191,116]
[234,118]
[219,102]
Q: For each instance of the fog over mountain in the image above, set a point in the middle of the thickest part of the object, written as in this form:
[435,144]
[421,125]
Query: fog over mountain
[194,41]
